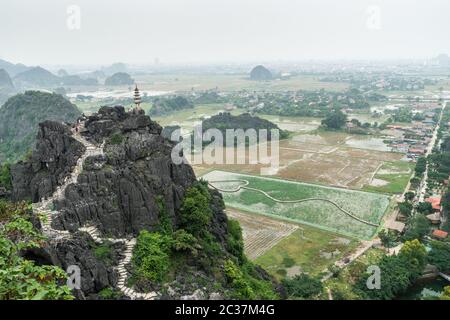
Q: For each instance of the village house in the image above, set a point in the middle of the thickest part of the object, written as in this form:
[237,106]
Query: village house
[439,234]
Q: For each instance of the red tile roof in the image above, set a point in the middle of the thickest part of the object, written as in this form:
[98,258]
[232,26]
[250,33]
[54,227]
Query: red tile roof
[440,234]
[435,202]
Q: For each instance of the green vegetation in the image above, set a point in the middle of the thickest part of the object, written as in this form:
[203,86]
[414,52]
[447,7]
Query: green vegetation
[421,166]
[109,294]
[21,278]
[303,286]
[5,176]
[235,240]
[20,116]
[418,227]
[103,252]
[440,255]
[336,119]
[151,255]
[398,273]
[116,138]
[403,114]
[319,213]
[395,174]
[161,255]
[245,283]
[195,212]
[226,121]
[305,248]
[162,106]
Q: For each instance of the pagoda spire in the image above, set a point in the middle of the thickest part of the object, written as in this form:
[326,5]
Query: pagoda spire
[137,98]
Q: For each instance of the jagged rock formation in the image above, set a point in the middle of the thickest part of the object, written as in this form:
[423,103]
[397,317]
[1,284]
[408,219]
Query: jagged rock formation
[113,188]
[100,183]
[260,73]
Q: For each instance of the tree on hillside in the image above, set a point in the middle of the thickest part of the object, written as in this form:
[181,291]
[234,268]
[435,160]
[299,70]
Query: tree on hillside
[21,278]
[335,120]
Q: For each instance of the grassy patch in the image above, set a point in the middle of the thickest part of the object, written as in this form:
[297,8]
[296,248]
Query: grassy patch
[306,249]
[396,174]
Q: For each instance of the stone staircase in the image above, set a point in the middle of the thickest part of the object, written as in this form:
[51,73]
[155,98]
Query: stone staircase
[45,207]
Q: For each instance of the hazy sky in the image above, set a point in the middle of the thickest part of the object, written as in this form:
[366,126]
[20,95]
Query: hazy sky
[138,31]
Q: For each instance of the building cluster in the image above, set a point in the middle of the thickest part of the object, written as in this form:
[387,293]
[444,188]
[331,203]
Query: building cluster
[412,138]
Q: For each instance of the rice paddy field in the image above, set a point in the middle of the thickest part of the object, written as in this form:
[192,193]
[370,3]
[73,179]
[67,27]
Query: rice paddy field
[318,212]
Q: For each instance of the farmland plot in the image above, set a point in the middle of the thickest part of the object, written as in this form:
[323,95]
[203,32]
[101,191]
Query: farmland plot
[260,234]
[348,212]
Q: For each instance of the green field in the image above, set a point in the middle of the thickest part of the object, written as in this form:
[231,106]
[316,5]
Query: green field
[395,174]
[309,249]
[319,213]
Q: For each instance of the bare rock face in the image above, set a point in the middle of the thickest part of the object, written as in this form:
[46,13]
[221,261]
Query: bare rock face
[53,158]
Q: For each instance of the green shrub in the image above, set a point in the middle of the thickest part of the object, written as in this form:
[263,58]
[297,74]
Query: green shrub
[5,176]
[235,241]
[303,286]
[151,256]
[246,283]
[116,138]
[21,278]
[165,223]
[109,294]
[103,252]
[195,211]
[184,241]
[288,262]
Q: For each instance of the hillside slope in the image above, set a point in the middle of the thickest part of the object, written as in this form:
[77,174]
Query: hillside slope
[20,116]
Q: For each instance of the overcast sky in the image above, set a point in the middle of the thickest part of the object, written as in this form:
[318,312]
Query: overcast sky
[138,31]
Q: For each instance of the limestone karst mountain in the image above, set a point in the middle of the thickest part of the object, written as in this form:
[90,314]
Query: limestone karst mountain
[260,73]
[109,182]
[119,79]
[5,80]
[20,116]
[38,77]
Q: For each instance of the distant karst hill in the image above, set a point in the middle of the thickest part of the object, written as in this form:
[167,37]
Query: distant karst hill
[225,120]
[119,79]
[162,106]
[260,73]
[5,80]
[36,76]
[12,68]
[20,116]
[6,86]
